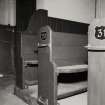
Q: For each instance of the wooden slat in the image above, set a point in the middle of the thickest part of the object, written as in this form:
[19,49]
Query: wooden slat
[29,83]
[31,62]
[72,69]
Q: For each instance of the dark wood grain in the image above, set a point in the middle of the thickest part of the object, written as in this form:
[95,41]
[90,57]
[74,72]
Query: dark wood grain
[26,45]
[68,49]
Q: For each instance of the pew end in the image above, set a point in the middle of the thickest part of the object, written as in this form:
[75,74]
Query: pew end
[59,53]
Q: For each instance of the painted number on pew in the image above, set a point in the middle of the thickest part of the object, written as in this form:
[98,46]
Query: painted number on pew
[100,32]
[43,35]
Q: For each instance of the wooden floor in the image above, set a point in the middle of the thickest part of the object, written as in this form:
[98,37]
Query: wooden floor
[80,99]
[6,93]
[8,98]
[70,89]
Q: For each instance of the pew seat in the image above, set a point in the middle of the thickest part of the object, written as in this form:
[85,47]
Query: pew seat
[72,68]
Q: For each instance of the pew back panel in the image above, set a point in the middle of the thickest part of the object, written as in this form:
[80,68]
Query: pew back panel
[68,48]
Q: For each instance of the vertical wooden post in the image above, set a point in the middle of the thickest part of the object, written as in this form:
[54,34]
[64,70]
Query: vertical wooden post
[47,78]
[96,61]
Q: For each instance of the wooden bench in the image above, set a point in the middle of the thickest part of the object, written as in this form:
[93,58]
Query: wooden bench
[26,62]
[58,53]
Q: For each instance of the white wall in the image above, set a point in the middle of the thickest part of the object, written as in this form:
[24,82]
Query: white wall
[76,10]
[8,12]
[100,8]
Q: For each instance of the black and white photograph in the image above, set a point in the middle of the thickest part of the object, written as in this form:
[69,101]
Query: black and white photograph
[52,52]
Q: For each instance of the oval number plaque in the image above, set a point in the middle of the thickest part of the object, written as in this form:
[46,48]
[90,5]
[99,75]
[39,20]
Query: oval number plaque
[100,32]
[43,35]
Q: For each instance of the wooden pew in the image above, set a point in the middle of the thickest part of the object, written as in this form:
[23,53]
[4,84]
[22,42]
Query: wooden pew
[59,53]
[25,59]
